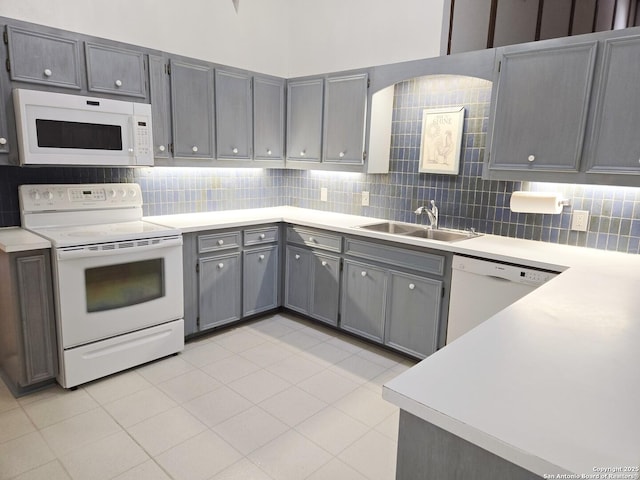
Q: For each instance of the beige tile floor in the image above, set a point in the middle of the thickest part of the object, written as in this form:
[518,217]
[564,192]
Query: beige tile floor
[279,398]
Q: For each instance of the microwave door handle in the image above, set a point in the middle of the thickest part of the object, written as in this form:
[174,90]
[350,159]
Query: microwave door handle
[85,253]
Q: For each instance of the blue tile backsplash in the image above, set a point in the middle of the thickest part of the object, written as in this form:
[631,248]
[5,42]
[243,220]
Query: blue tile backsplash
[465,200]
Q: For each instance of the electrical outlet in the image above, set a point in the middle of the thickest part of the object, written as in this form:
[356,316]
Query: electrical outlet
[580,220]
[324,194]
[365,199]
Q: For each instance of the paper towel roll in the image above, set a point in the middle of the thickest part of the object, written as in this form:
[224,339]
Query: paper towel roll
[536,202]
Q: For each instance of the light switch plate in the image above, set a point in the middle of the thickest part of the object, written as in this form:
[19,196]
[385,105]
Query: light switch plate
[324,194]
[365,199]
[580,220]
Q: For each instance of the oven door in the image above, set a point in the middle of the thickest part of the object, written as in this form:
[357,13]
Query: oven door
[110,289]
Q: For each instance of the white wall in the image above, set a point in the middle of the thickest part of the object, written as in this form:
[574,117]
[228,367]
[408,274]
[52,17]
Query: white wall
[281,37]
[330,35]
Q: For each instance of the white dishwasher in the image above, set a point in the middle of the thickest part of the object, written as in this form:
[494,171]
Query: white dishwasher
[481,288]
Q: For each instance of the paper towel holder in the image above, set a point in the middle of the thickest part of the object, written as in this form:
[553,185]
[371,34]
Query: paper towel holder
[538,202]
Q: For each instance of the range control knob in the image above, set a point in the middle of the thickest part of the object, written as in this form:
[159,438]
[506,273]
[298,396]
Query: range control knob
[112,193]
[123,193]
[35,195]
[132,192]
[47,195]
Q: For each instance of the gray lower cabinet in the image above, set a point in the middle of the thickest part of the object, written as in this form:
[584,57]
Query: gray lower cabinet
[220,290]
[312,283]
[43,58]
[413,314]
[114,70]
[192,110]
[364,300]
[615,148]
[5,144]
[234,120]
[268,119]
[28,353]
[540,103]
[304,120]
[260,280]
[395,295]
[345,106]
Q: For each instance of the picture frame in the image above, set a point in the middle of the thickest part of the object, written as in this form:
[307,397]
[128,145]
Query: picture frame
[441,141]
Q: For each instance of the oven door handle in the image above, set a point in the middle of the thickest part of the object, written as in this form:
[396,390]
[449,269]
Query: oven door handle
[84,252]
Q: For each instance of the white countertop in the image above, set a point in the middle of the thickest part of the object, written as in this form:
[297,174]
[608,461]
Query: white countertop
[15,239]
[551,383]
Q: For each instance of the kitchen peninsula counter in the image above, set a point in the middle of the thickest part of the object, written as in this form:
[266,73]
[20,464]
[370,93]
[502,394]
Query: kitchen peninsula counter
[550,383]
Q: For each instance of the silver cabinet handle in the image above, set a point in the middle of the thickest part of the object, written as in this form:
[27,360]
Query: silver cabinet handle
[324,263]
[162,148]
[261,257]
[411,286]
[297,257]
[341,154]
[364,274]
[194,149]
[235,150]
[303,153]
[220,242]
[531,158]
[220,266]
[47,72]
[311,239]
[3,141]
[118,83]
[268,151]
[261,236]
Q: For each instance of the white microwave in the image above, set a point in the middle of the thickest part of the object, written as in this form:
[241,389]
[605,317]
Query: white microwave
[60,129]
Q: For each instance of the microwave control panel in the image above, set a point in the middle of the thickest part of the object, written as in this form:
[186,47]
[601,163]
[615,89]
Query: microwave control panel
[142,137]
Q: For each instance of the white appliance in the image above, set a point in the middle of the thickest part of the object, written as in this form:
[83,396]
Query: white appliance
[481,288]
[117,279]
[60,129]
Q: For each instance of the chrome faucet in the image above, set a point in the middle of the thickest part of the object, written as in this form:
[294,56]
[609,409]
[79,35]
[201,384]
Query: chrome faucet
[432,213]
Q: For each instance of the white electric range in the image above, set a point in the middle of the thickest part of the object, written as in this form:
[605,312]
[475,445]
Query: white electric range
[117,279]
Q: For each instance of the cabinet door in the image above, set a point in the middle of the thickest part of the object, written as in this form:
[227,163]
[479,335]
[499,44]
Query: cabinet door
[219,290]
[364,300]
[260,280]
[297,275]
[268,119]
[159,93]
[233,115]
[192,110]
[325,288]
[541,101]
[304,120]
[345,106]
[44,59]
[616,148]
[115,70]
[4,133]
[413,314]
[37,319]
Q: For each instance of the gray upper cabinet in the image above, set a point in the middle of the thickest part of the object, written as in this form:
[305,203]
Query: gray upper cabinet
[192,110]
[43,58]
[539,105]
[233,115]
[413,314]
[160,110]
[268,118]
[344,119]
[615,148]
[304,120]
[114,70]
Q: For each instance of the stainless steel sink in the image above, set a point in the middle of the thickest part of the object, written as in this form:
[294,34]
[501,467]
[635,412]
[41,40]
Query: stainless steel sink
[419,231]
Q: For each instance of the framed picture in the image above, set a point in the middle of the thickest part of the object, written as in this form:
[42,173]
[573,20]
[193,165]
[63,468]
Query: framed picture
[441,140]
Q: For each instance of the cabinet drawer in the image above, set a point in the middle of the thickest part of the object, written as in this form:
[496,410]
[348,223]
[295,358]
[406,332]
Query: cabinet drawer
[398,257]
[115,70]
[314,238]
[257,236]
[218,241]
[44,59]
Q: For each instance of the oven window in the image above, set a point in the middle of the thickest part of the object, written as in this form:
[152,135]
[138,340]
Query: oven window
[123,285]
[86,136]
